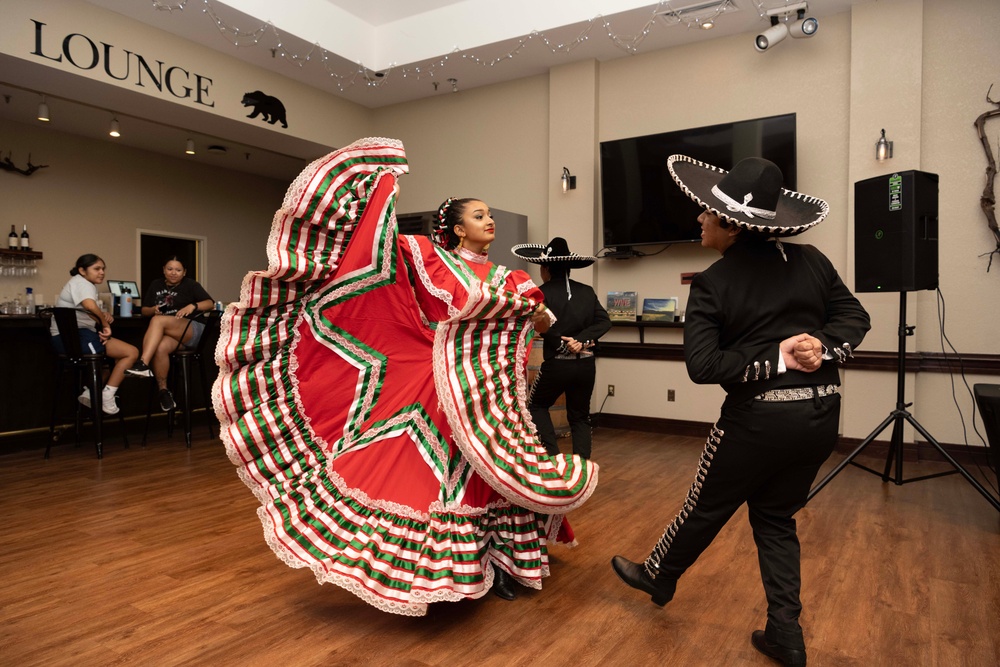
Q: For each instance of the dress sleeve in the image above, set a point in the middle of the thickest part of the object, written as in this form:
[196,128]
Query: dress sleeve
[521,283]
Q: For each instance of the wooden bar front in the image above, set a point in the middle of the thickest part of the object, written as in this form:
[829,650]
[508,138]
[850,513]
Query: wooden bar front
[28,378]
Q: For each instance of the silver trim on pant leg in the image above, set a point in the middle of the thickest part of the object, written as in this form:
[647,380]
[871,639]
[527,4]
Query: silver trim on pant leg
[652,562]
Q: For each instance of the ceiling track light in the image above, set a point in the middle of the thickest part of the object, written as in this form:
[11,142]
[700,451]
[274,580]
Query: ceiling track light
[189,147]
[699,15]
[115,130]
[782,26]
[777,32]
[43,110]
[802,26]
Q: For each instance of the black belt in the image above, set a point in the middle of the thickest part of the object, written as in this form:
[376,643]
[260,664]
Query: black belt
[797,393]
[580,355]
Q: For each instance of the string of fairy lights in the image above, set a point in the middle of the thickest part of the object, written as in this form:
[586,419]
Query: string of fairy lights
[269,36]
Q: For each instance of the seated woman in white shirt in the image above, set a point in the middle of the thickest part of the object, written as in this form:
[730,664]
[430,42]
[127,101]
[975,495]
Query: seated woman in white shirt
[94,324]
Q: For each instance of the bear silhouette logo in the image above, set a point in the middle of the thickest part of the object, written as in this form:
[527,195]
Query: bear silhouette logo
[269,107]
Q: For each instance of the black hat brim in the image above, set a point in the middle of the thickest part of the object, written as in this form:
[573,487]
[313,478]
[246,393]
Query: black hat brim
[532,252]
[795,212]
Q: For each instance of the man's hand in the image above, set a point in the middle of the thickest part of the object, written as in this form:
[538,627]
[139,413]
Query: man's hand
[802,352]
[572,344]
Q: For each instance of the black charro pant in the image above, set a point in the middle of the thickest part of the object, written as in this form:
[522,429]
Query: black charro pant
[575,378]
[764,454]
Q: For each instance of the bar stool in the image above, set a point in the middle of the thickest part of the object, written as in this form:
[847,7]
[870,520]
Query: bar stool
[89,372]
[182,363]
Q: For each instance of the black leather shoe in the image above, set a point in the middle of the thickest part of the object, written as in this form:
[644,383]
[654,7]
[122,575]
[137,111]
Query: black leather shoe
[633,574]
[783,654]
[503,584]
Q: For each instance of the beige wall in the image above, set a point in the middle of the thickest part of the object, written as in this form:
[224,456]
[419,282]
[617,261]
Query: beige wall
[919,69]
[486,142]
[95,195]
[712,82]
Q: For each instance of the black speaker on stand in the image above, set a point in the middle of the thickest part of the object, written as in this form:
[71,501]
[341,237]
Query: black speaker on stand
[895,250]
[896,233]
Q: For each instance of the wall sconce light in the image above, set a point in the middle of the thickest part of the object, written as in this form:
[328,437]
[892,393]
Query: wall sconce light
[43,110]
[189,149]
[115,130]
[568,180]
[883,148]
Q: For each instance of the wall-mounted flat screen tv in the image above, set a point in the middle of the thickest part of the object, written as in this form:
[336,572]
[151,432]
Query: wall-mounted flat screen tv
[642,205]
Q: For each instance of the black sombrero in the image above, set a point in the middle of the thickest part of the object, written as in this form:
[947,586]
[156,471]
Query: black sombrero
[750,196]
[555,253]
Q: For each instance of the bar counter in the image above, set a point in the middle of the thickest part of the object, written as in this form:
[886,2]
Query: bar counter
[27,377]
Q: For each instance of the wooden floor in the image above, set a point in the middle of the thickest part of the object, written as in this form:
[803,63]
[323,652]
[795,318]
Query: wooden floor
[154,556]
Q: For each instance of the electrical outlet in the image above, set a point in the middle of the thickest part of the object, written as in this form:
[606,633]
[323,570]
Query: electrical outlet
[611,390]
[670,395]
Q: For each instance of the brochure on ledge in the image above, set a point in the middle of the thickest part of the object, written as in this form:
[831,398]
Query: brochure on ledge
[622,306]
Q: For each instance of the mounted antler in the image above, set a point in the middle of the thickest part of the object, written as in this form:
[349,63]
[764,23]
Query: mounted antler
[8,165]
[988,200]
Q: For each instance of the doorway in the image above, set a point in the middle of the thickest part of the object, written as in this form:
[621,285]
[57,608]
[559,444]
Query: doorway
[156,247]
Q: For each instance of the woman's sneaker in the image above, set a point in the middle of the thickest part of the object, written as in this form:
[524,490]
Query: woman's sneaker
[84,398]
[109,404]
[167,400]
[140,369]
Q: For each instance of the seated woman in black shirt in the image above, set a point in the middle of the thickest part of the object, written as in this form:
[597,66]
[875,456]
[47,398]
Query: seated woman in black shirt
[170,302]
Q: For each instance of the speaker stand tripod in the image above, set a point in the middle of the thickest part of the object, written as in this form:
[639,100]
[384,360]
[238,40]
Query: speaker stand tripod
[896,418]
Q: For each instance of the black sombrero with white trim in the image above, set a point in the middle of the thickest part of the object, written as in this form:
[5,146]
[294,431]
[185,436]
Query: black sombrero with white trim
[750,196]
[556,253]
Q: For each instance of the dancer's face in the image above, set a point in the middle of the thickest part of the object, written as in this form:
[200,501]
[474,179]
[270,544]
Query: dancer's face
[714,235]
[477,229]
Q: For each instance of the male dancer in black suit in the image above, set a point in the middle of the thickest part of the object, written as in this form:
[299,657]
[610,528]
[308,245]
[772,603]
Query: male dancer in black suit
[568,365]
[771,322]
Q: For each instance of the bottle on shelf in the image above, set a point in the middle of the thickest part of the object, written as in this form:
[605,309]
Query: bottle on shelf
[30,301]
[25,239]
[13,243]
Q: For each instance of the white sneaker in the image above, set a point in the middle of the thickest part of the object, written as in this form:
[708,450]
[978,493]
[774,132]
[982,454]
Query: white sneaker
[109,404]
[84,398]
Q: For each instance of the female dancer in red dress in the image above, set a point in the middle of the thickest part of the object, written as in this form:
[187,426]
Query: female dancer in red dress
[372,395]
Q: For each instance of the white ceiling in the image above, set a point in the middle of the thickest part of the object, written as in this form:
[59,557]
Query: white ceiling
[416,46]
